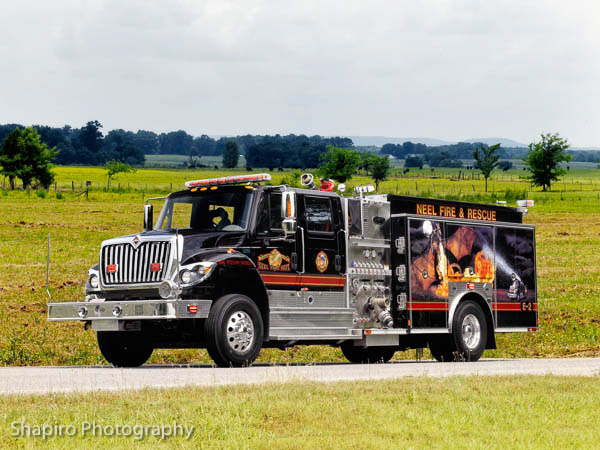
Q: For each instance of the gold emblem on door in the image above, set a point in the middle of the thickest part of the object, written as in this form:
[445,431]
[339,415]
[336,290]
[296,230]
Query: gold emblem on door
[322,261]
[274,261]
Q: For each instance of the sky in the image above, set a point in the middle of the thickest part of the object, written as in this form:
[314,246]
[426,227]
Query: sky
[450,70]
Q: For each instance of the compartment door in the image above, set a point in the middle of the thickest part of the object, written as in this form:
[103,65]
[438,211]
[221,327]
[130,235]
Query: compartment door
[428,299]
[516,296]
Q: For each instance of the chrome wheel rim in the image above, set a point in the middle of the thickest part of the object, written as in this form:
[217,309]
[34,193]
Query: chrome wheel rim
[471,331]
[240,331]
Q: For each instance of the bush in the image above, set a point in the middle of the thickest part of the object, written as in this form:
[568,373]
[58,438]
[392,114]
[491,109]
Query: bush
[413,161]
[40,193]
[292,179]
[59,196]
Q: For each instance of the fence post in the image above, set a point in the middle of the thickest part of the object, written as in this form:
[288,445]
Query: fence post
[72,186]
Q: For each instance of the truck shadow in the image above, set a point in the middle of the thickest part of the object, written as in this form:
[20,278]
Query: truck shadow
[261,365]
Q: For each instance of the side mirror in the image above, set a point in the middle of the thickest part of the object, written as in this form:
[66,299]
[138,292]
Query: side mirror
[148,217]
[288,212]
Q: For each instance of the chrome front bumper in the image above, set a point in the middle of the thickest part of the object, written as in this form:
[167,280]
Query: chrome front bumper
[129,310]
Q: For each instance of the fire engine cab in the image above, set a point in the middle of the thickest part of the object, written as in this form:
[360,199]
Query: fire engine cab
[232,265]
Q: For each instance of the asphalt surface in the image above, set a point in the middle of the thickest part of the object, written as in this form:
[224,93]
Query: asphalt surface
[41,380]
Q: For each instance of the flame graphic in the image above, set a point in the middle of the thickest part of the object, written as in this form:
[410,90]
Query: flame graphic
[482,272]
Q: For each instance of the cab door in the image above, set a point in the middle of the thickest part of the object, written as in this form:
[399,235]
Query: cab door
[275,255]
[320,223]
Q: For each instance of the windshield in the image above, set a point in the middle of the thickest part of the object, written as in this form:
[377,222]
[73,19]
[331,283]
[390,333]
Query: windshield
[214,210]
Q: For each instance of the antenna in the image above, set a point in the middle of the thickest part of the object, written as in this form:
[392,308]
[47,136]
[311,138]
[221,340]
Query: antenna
[48,270]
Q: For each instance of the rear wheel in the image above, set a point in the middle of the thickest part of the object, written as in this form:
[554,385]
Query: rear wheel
[468,339]
[469,329]
[443,351]
[366,355]
[124,348]
[234,331]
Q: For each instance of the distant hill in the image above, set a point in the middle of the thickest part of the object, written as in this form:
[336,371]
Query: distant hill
[585,148]
[381,140]
[491,141]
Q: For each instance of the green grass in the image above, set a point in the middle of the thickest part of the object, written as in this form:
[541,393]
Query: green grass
[568,239]
[459,412]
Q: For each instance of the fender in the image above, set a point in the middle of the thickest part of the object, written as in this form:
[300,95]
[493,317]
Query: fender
[235,273]
[487,312]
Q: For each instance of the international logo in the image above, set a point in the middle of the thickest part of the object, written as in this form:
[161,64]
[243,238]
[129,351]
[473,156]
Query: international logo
[136,242]
[322,261]
[274,261]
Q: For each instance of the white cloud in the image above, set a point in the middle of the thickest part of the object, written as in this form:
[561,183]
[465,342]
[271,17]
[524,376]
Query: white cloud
[446,69]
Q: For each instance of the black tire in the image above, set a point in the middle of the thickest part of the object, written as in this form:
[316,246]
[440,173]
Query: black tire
[443,351]
[366,355]
[124,348]
[469,331]
[227,345]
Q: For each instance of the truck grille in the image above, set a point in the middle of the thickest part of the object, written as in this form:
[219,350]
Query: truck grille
[123,264]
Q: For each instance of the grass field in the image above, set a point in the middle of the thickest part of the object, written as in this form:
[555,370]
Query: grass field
[178,161]
[474,412]
[568,260]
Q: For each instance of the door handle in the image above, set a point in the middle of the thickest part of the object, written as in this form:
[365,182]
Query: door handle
[338,263]
[294,257]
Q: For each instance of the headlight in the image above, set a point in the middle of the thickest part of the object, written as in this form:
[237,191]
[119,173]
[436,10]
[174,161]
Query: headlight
[196,273]
[94,281]
[186,276]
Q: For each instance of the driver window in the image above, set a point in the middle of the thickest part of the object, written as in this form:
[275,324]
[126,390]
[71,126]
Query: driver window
[276,219]
[270,214]
[263,220]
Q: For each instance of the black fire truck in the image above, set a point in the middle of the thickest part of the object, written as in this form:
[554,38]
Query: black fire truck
[232,265]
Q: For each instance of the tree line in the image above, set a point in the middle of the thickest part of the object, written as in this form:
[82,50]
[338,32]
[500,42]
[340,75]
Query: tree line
[417,155]
[89,145]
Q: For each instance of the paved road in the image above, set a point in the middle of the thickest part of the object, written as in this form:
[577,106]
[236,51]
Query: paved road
[38,380]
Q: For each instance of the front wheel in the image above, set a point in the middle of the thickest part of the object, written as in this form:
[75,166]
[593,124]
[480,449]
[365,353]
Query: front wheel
[366,355]
[234,331]
[124,348]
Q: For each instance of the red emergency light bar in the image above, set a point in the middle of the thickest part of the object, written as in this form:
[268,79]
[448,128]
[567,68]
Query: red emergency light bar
[236,179]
